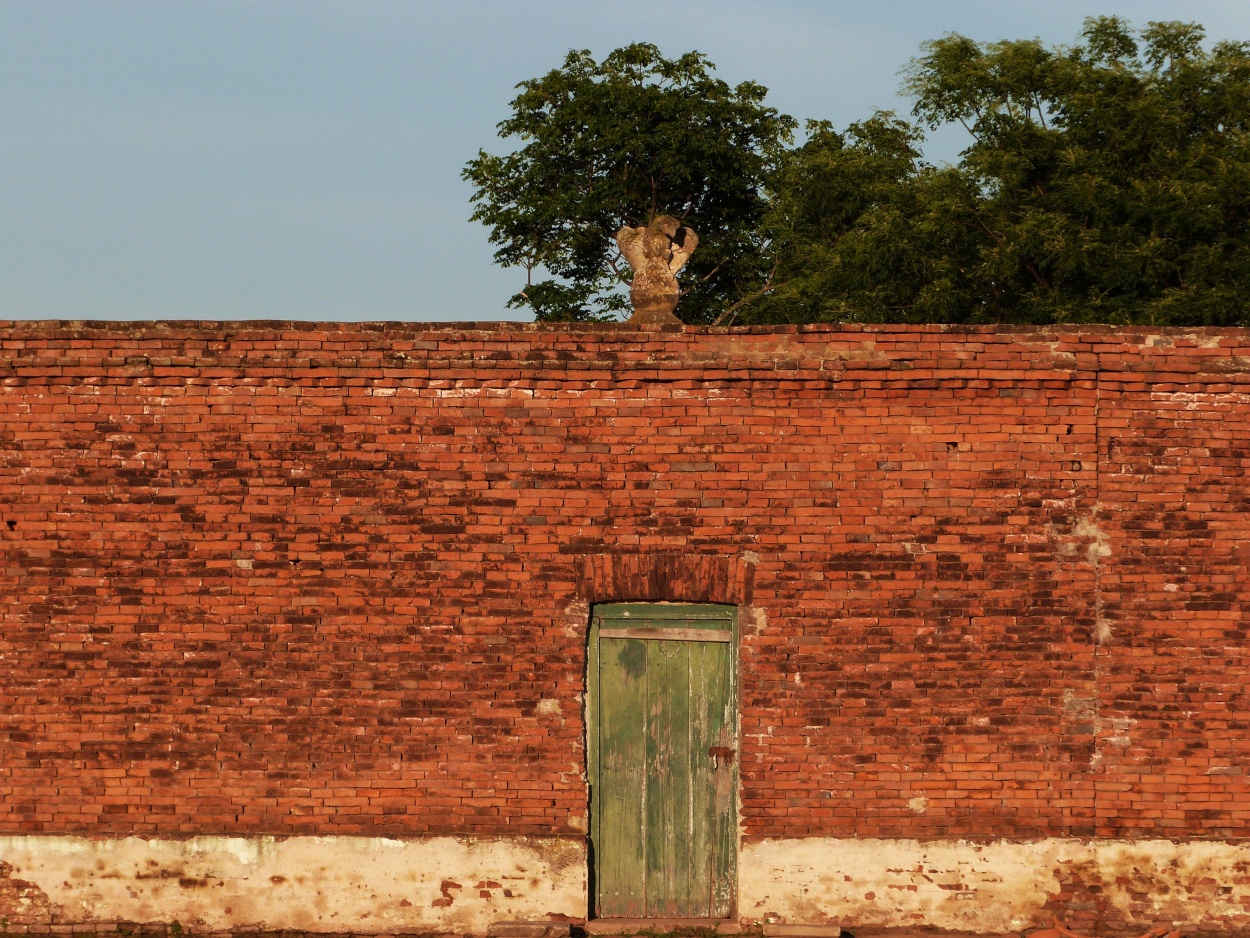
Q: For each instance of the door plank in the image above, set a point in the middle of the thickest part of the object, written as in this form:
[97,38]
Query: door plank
[623,821]
[671,635]
[668,784]
[704,661]
[719,759]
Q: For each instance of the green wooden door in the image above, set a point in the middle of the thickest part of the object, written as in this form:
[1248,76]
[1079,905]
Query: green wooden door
[663,751]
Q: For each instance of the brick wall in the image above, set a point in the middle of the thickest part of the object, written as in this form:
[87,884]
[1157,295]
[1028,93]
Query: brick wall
[306,578]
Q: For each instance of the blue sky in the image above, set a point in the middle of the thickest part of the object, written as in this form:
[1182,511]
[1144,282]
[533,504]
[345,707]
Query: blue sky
[301,160]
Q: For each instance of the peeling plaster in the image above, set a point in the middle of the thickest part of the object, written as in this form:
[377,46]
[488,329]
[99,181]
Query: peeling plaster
[988,888]
[356,884]
[21,903]
[576,618]
[753,617]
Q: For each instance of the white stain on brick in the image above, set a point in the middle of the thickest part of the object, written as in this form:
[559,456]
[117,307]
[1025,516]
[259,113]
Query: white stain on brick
[1100,544]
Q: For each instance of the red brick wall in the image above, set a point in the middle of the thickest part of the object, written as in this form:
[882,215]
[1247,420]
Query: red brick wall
[285,578]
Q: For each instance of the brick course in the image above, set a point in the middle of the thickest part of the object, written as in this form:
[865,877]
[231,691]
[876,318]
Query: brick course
[305,578]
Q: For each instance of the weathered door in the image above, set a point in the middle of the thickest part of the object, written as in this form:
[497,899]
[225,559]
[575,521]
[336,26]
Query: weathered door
[662,752]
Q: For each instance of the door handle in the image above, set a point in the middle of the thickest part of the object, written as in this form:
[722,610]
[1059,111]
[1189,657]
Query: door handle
[721,752]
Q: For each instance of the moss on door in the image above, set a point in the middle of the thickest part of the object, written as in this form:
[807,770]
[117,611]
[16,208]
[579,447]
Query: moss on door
[663,753]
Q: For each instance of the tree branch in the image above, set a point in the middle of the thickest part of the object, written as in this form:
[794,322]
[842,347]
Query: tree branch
[616,267]
[711,273]
[1038,278]
[732,311]
[997,239]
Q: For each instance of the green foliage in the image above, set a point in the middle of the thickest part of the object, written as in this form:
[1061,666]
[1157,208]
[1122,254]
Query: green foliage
[862,230]
[616,143]
[1108,181]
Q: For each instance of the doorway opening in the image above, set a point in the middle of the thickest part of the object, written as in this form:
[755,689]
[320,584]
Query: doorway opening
[662,756]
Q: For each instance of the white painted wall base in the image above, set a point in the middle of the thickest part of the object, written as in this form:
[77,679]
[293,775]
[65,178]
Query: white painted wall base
[994,887]
[358,884]
[462,885]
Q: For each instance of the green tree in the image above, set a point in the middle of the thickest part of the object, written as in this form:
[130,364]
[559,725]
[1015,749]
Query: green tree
[1106,182]
[618,142]
[863,230]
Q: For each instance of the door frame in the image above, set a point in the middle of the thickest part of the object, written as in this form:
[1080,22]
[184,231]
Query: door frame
[620,614]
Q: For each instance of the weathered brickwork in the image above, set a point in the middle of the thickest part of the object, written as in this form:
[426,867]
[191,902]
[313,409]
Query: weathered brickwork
[1174,717]
[280,578]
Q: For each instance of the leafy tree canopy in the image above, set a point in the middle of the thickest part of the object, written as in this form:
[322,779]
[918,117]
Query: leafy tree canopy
[1108,181]
[618,142]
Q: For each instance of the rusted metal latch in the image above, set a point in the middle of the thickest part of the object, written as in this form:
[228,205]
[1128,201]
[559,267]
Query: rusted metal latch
[721,752]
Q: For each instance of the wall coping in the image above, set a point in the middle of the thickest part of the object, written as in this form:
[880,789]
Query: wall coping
[157,326]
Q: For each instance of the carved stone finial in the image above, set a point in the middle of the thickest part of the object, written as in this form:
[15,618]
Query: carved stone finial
[656,253]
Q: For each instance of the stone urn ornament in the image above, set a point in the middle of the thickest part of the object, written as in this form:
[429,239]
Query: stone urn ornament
[656,253]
